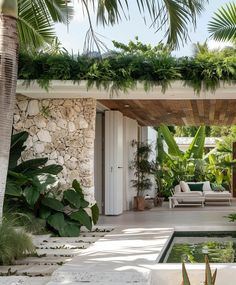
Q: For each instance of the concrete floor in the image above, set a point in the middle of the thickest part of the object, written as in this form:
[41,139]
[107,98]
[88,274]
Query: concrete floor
[129,254]
[181,217]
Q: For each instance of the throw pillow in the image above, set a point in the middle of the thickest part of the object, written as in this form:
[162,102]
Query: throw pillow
[184,186]
[217,188]
[196,187]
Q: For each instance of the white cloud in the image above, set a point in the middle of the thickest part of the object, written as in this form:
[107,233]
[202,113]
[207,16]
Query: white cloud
[80,15]
[213,45]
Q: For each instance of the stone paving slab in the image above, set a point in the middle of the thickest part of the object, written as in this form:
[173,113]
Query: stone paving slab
[61,252]
[32,270]
[62,245]
[21,280]
[43,260]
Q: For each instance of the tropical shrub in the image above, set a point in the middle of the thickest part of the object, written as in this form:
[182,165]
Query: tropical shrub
[28,190]
[142,166]
[133,63]
[175,165]
[14,244]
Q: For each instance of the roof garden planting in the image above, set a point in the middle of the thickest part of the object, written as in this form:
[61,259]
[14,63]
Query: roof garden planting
[134,63]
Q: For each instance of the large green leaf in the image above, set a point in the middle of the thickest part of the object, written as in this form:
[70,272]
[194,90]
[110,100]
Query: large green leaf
[27,167]
[173,16]
[17,141]
[196,148]
[223,25]
[36,19]
[44,212]
[53,204]
[173,148]
[57,221]
[70,230]
[83,218]
[31,195]
[95,213]
[43,182]
[19,178]
[77,187]
[13,189]
[72,197]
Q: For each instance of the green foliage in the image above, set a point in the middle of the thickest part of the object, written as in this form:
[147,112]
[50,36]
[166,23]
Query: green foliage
[142,167]
[135,63]
[210,278]
[28,189]
[223,25]
[175,165]
[14,244]
[36,19]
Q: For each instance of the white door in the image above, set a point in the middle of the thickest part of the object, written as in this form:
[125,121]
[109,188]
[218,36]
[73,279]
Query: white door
[98,161]
[113,163]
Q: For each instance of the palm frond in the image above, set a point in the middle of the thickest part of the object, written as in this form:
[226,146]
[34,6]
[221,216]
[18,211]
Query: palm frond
[171,15]
[36,19]
[223,25]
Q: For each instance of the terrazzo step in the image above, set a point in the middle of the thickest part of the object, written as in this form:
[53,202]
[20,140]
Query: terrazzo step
[71,275]
[46,260]
[60,252]
[29,270]
[23,280]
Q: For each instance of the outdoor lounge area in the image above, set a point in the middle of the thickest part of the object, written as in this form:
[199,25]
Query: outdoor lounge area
[183,196]
[117,142]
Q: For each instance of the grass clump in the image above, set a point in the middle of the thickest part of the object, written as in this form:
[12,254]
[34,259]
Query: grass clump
[14,244]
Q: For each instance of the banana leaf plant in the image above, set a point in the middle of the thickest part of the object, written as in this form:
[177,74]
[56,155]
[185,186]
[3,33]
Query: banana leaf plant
[183,165]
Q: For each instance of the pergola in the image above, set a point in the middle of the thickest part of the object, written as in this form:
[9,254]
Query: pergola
[178,105]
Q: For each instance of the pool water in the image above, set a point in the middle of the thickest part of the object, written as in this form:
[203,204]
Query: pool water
[191,247]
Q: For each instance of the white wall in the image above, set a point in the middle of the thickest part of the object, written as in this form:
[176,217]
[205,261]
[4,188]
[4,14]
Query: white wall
[130,134]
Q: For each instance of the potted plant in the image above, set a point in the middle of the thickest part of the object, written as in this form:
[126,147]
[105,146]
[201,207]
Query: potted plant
[142,169]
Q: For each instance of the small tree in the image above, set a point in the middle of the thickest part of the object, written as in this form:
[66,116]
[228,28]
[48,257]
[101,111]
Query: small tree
[142,169]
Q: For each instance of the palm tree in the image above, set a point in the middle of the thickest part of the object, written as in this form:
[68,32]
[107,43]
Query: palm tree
[30,23]
[223,25]
[174,16]
[33,26]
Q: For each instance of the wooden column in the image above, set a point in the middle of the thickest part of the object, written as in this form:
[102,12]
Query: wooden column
[234,172]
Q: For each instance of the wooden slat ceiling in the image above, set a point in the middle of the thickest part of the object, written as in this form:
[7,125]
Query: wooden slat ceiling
[176,112]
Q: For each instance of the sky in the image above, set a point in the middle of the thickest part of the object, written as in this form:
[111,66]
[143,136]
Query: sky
[72,38]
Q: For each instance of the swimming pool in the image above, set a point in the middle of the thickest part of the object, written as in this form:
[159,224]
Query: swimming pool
[191,247]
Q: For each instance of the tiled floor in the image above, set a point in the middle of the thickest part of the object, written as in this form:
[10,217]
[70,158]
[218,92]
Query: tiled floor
[213,215]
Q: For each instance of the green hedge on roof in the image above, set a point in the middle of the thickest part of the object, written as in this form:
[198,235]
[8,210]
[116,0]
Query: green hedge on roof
[122,71]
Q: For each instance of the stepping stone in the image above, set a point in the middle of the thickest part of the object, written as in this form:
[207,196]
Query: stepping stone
[51,245]
[60,252]
[22,280]
[32,270]
[43,260]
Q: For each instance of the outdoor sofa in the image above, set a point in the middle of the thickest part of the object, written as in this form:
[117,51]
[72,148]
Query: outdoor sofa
[199,194]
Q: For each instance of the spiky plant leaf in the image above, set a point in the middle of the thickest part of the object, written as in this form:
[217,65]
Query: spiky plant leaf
[186,280]
[173,148]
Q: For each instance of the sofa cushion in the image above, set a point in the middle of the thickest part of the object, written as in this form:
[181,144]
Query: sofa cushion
[184,186]
[206,186]
[196,186]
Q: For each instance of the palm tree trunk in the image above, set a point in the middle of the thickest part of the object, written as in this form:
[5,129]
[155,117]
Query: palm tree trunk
[8,79]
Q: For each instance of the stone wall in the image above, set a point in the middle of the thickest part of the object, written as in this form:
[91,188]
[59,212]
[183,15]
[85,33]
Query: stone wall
[63,131]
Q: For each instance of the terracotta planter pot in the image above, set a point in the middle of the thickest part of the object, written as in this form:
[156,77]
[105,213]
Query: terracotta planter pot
[139,203]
